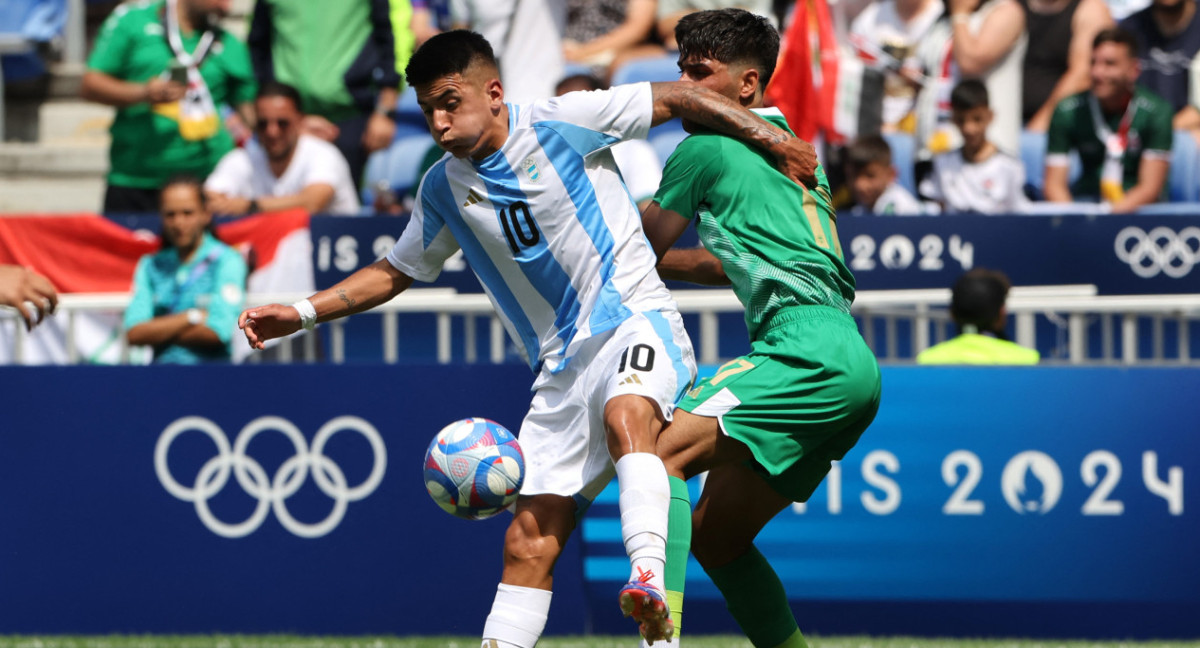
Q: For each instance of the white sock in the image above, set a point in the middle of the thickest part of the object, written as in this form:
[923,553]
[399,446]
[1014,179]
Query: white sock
[644,500]
[518,617]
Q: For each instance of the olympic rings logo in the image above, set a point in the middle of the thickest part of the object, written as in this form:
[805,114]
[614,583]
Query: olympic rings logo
[1160,250]
[272,492]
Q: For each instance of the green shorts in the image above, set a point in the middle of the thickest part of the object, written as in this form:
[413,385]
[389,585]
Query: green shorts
[799,400]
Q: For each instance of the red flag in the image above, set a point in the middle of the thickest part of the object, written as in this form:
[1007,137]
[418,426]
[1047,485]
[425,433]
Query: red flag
[804,86]
[87,253]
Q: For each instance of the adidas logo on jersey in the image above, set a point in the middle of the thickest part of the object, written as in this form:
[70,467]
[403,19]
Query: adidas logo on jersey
[631,380]
[472,198]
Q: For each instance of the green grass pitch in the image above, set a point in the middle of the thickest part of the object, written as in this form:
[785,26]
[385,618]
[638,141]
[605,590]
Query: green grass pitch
[706,641]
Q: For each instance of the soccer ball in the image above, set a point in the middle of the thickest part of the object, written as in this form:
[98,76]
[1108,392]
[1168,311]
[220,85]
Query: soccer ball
[474,468]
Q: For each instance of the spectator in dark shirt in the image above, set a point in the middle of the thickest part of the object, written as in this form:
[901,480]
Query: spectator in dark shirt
[1169,34]
[1059,53]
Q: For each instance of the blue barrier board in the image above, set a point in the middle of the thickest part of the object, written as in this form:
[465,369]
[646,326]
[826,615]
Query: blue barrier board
[1019,502]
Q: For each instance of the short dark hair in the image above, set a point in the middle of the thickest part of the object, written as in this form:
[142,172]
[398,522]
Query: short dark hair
[448,53]
[730,36]
[977,298]
[1120,36]
[869,149]
[968,94]
[592,82]
[279,89]
[185,180]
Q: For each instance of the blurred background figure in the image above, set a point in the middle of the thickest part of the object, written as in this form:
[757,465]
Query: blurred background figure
[636,160]
[284,168]
[670,11]
[167,67]
[1122,133]
[979,177]
[872,180]
[977,307]
[347,60]
[600,33]
[1169,38]
[429,18]
[186,297]
[886,35]
[31,294]
[526,36]
[972,40]
[1059,54]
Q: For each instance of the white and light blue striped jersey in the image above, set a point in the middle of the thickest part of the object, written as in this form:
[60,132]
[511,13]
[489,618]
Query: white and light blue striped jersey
[546,223]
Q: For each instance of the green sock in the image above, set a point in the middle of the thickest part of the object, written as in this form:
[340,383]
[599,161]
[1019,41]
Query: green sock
[679,542]
[757,601]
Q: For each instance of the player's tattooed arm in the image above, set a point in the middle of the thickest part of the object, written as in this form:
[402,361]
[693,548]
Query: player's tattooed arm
[350,302]
[796,158]
[363,290]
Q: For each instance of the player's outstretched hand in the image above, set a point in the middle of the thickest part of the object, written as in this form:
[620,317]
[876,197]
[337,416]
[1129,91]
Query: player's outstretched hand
[797,159]
[263,323]
[30,293]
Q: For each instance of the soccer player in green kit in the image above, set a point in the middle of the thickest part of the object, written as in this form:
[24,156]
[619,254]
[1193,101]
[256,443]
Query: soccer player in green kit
[767,425]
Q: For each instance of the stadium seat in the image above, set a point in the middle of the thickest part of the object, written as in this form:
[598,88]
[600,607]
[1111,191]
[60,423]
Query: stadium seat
[399,166]
[665,137]
[1183,183]
[1033,158]
[904,158]
[410,120]
[663,68]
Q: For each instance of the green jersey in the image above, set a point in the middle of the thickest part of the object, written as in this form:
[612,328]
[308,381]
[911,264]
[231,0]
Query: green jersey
[776,240]
[337,53]
[147,147]
[1073,126]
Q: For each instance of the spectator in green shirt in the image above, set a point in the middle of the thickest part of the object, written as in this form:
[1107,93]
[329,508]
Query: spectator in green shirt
[346,58]
[1122,132]
[977,306]
[167,67]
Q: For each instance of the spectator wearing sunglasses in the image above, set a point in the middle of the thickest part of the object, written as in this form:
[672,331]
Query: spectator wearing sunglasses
[282,168]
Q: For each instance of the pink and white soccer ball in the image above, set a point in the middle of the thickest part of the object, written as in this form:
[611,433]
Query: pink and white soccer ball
[474,468]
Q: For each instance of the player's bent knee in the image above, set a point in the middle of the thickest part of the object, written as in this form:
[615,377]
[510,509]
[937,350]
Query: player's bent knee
[524,545]
[633,423]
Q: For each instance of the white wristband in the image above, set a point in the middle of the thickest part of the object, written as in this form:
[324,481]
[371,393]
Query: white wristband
[308,314]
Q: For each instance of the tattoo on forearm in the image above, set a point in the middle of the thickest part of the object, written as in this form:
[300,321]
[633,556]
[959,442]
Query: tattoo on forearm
[346,299]
[715,111]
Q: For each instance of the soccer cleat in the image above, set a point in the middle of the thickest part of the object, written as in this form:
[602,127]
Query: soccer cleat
[647,605]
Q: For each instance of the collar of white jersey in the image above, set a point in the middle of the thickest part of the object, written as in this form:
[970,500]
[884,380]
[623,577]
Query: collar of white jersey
[770,111]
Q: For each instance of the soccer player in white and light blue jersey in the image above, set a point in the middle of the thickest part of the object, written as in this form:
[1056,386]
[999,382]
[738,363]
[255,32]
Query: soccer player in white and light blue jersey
[532,197]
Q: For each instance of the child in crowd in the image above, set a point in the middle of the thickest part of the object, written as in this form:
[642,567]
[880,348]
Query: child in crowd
[872,180]
[979,177]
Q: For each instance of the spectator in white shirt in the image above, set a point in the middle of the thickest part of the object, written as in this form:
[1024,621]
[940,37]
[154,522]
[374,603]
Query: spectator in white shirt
[979,177]
[282,168]
[873,183]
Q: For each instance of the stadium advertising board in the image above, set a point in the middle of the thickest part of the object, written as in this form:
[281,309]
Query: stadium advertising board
[989,501]
[245,499]
[1120,254]
[1026,502]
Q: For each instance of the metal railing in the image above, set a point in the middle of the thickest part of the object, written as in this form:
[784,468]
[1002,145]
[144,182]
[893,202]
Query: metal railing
[1071,308]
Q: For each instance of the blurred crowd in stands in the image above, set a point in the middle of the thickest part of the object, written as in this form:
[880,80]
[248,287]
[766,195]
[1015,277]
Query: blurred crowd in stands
[918,106]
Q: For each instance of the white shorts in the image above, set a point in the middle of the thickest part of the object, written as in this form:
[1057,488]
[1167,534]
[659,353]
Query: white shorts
[563,437]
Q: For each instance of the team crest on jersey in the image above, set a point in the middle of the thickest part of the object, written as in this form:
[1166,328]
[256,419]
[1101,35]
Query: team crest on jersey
[531,170]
